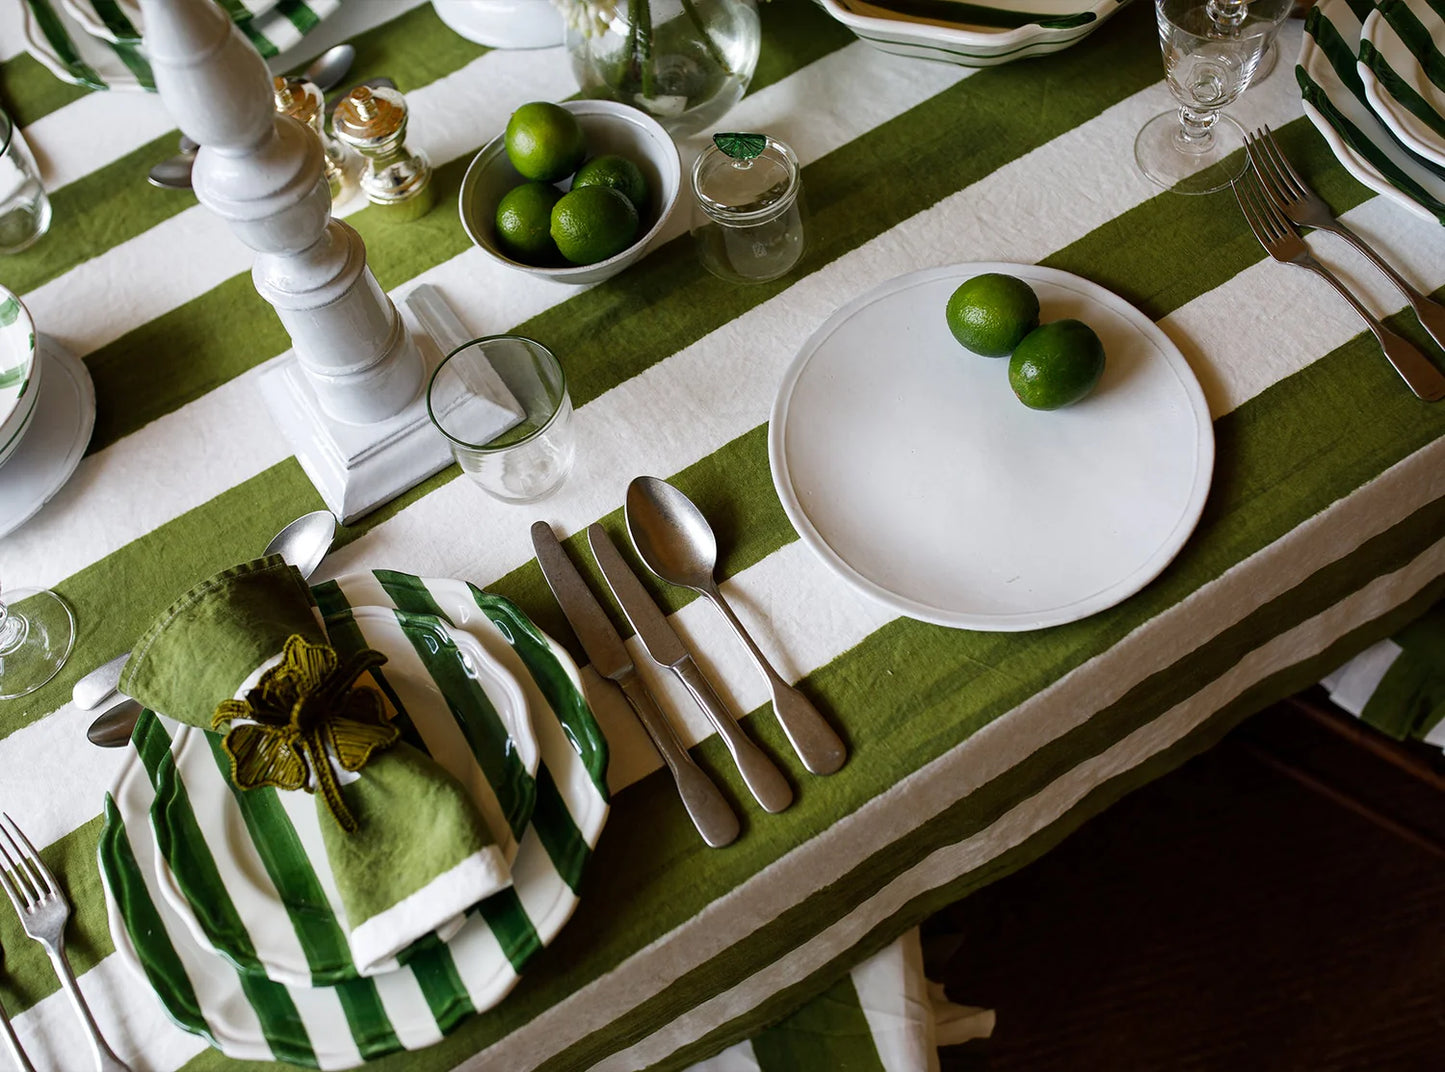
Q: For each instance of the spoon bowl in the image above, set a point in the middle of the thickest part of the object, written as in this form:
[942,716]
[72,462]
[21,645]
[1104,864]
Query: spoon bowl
[672,537]
[328,69]
[305,541]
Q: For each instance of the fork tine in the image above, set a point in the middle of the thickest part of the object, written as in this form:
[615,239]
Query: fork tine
[19,895]
[29,863]
[1275,185]
[1246,193]
[31,853]
[1280,165]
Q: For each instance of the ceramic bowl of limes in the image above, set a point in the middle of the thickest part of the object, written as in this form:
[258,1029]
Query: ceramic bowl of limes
[609,130]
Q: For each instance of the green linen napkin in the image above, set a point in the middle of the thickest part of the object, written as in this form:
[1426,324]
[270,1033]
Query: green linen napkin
[420,855]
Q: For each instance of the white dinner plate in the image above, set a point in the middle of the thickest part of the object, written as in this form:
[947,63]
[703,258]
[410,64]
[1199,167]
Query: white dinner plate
[468,711]
[906,463]
[59,430]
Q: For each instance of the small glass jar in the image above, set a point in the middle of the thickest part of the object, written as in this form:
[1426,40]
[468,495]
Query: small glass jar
[748,215]
[373,122]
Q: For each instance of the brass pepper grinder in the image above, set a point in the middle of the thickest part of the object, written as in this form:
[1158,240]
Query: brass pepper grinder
[303,100]
[373,122]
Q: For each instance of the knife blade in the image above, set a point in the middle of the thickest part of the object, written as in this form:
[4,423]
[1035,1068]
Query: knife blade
[704,802]
[665,648]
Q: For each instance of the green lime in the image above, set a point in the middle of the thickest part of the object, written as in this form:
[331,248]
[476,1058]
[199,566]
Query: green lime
[593,223]
[1056,364]
[617,172]
[991,313]
[544,141]
[524,223]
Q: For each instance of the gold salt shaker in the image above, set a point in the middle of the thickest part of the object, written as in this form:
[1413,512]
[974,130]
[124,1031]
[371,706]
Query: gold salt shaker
[303,100]
[373,122]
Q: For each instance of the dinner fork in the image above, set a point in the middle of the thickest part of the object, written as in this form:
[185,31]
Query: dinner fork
[1294,197]
[12,1043]
[1282,242]
[43,911]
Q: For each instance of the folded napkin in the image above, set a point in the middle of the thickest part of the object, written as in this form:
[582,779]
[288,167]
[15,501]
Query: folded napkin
[245,655]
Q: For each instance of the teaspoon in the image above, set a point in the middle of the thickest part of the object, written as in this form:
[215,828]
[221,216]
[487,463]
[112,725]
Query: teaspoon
[674,540]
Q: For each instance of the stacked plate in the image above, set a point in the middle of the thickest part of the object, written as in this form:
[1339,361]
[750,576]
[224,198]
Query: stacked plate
[97,43]
[1373,82]
[971,33]
[222,899]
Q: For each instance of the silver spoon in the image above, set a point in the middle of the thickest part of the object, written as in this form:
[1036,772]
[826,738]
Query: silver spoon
[326,71]
[675,541]
[303,544]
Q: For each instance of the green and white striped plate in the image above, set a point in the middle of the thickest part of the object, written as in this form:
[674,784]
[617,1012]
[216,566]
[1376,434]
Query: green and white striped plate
[443,982]
[1335,102]
[452,700]
[19,372]
[115,60]
[971,33]
[1403,70]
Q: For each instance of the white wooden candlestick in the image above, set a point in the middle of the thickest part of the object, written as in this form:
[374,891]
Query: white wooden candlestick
[349,394]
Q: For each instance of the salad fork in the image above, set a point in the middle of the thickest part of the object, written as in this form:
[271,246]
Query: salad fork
[1294,197]
[1282,241]
[12,1043]
[43,910]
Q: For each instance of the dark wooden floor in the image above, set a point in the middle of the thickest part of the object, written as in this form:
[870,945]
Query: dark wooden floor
[1225,917]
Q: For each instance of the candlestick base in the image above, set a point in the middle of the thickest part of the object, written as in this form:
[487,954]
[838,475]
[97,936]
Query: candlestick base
[358,467]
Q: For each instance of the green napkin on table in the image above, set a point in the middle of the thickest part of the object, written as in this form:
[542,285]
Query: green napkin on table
[245,655]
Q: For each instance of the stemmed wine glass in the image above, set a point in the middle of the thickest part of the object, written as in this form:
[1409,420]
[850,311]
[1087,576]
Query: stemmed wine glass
[36,633]
[1211,51]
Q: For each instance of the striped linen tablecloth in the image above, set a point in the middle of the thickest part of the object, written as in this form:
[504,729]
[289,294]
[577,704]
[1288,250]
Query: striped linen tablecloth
[971,753]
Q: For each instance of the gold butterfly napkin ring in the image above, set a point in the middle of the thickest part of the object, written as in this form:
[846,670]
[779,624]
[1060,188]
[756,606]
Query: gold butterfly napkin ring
[305,714]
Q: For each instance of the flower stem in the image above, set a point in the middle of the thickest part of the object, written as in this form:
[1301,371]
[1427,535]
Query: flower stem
[707,41]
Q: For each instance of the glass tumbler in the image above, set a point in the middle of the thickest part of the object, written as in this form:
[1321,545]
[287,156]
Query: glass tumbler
[502,402]
[1212,49]
[748,215]
[24,208]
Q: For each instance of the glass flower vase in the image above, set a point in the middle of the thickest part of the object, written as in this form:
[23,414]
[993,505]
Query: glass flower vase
[684,62]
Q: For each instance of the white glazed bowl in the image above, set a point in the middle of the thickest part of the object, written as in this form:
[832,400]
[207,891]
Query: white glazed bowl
[966,44]
[19,372]
[609,128]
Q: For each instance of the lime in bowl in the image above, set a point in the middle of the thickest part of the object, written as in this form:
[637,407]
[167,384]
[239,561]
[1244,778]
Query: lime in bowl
[589,226]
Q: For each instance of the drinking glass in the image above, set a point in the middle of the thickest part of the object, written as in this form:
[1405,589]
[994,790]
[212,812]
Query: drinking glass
[475,398]
[36,633]
[1211,51]
[24,208]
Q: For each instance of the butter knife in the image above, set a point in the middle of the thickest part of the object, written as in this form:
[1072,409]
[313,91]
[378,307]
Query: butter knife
[710,813]
[761,775]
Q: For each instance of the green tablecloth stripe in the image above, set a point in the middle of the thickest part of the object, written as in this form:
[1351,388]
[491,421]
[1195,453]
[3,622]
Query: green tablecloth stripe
[683,302]
[286,862]
[29,92]
[830,1034]
[1273,688]
[481,727]
[180,838]
[986,804]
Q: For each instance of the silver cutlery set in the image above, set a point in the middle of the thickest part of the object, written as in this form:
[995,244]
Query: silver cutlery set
[674,541]
[43,911]
[1277,203]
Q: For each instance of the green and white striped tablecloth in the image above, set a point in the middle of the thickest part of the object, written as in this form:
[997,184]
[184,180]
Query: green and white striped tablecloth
[972,753]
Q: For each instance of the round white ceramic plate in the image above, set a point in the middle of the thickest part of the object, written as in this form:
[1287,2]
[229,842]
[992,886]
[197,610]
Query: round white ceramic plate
[442,677]
[906,463]
[1391,56]
[59,431]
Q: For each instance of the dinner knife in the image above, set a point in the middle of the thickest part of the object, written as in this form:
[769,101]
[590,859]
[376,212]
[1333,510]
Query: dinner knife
[703,800]
[761,775]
